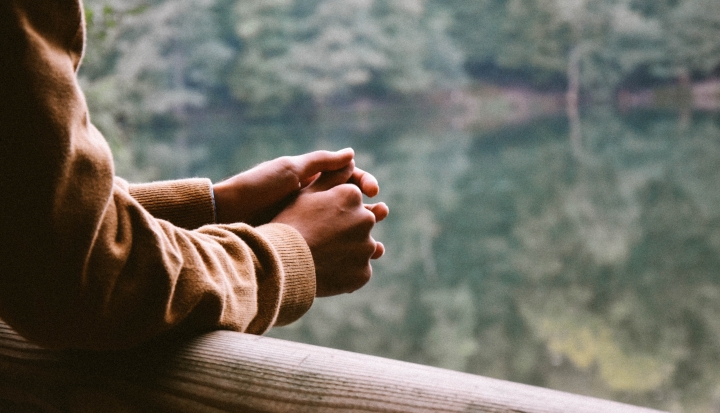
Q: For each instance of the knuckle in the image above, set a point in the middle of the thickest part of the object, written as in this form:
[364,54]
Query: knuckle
[289,168]
[362,277]
[367,219]
[351,193]
[364,249]
[370,248]
[287,163]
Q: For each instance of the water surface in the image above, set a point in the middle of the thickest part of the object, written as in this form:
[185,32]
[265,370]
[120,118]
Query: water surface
[511,253]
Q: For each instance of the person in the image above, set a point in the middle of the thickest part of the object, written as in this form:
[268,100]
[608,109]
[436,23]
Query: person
[89,261]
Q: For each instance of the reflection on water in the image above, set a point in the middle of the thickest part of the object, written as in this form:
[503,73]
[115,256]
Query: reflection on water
[511,255]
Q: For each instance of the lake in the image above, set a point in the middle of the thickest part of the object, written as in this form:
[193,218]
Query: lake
[591,267]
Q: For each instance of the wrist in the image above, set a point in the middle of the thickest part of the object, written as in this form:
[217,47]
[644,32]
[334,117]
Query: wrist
[220,200]
[229,205]
[214,204]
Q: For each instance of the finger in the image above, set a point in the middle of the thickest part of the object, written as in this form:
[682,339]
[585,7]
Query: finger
[328,180]
[308,180]
[365,181]
[380,210]
[311,164]
[379,251]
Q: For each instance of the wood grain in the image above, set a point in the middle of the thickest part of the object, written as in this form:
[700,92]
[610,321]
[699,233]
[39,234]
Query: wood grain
[234,372]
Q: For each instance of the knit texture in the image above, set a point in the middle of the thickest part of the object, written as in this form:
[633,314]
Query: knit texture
[186,203]
[90,262]
[299,285]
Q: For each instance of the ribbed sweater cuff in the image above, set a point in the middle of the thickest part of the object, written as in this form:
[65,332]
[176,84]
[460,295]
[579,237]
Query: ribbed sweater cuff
[299,271]
[186,203]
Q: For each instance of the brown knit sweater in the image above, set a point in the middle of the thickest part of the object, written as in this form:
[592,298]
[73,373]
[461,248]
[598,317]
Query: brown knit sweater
[88,261]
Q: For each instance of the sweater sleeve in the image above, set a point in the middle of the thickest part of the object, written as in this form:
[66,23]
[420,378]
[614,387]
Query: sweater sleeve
[84,264]
[187,203]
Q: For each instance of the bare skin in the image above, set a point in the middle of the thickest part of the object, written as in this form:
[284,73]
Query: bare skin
[259,194]
[335,223]
[321,195]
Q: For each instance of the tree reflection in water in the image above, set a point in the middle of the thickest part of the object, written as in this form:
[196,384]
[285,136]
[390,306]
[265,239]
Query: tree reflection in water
[511,256]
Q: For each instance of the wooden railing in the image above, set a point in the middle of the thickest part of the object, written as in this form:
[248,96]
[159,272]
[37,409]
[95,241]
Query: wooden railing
[233,372]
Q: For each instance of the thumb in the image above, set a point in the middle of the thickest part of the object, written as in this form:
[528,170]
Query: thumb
[310,165]
[331,179]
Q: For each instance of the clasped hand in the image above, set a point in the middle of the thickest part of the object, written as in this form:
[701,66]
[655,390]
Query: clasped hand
[320,194]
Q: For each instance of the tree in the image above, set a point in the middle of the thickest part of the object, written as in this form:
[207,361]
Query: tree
[478,27]
[685,32]
[145,61]
[322,49]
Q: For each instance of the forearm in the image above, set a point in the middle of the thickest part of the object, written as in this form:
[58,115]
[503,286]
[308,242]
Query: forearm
[144,276]
[186,203]
[84,264]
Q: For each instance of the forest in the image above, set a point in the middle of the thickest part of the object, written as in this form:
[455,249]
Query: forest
[551,167]
[154,61]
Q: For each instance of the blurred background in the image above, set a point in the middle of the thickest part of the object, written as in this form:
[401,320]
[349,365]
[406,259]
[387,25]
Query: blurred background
[552,168]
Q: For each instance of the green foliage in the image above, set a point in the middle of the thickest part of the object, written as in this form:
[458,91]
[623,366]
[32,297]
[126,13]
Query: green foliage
[327,48]
[610,38]
[145,61]
[692,28]
[282,54]
[478,26]
[509,253]
[510,257]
